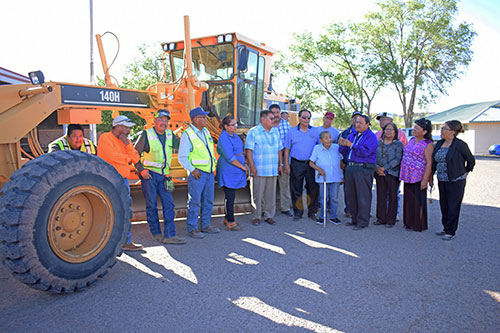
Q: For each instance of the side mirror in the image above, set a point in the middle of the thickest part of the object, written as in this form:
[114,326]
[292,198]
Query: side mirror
[36,77]
[243,59]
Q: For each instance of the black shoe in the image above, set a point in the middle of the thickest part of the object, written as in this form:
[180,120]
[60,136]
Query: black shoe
[440,233]
[350,224]
[297,217]
[313,217]
[389,225]
[378,223]
[357,227]
[319,221]
[287,213]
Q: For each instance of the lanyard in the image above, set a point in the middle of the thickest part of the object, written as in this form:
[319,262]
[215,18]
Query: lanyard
[357,138]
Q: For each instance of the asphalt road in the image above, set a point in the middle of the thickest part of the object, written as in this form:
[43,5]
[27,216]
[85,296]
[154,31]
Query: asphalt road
[291,277]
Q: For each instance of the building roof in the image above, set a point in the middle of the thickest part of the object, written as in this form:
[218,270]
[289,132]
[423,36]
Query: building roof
[469,113]
[10,77]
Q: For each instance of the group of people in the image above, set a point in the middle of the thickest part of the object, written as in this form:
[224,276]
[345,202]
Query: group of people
[275,153]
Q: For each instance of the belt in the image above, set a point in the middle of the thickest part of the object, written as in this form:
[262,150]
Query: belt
[300,161]
[361,164]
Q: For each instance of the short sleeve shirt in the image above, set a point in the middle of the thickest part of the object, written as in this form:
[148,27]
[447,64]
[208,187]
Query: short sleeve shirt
[300,143]
[265,147]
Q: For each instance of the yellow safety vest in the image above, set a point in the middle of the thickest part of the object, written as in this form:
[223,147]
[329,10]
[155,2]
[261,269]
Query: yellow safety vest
[87,145]
[159,157]
[202,156]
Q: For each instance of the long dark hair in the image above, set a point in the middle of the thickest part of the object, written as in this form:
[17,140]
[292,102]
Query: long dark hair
[426,126]
[225,122]
[394,127]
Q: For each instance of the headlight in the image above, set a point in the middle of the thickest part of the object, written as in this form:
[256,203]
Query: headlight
[220,39]
[172,46]
[228,38]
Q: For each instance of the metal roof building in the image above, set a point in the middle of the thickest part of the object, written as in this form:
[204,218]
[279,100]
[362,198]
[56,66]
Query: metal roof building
[10,77]
[481,122]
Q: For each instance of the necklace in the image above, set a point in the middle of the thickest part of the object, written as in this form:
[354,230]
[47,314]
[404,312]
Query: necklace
[384,152]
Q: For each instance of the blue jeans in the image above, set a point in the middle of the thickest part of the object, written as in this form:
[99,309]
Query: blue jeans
[332,203]
[152,188]
[200,195]
[129,238]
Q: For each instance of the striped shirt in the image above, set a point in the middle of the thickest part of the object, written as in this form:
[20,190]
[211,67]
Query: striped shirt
[283,128]
[265,147]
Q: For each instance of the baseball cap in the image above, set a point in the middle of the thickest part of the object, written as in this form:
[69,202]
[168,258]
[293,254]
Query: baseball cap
[197,112]
[356,113]
[162,113]
[330,114]
[385,114]
[123,120]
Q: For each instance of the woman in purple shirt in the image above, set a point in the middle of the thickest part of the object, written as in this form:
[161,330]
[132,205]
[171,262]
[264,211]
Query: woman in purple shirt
[416,169]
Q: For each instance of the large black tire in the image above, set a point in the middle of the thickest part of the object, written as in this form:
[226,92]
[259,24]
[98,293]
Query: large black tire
[63,219]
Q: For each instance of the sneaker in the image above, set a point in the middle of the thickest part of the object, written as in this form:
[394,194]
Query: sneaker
[296,218]
[210,230]
[132,247]
[440,233]
[196,234]
[335,221]
[448,237]
[287,213]
[174,240]
[389,225]
[319,221]
[378,222]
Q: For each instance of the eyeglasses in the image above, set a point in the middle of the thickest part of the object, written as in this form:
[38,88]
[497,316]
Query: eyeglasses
[305,118]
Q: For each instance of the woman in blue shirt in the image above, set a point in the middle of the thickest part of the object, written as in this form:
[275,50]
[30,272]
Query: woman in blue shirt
[231,171]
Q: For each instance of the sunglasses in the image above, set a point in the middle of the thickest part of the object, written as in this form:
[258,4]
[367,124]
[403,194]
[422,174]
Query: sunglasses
[305,117]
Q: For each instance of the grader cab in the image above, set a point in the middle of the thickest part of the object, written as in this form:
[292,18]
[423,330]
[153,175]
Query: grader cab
[64,215]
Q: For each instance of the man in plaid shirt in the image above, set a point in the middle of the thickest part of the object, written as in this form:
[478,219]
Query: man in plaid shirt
[263,146]
[283,179]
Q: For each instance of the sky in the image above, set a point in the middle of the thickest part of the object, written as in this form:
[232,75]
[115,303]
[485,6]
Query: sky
[54,35]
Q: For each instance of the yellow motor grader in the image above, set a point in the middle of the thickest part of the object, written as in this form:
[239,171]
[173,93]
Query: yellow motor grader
[64,215]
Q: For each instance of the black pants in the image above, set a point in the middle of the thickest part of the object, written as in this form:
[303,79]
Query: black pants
[415,207]
[229,203]
[298,172]
[387,199]
[451,195]
[358,184]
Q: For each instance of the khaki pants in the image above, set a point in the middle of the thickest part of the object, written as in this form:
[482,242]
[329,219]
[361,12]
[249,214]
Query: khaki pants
[263,191]
[285,199]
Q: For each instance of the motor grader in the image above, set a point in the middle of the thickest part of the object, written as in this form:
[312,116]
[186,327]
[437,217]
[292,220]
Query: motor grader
[64,215]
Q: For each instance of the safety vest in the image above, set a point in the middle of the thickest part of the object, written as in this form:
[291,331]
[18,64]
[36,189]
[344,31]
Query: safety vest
[87,145]
[202,154]
[159,157]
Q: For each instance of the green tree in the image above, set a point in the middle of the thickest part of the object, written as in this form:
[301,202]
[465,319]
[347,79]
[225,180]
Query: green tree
[417,48]
[142,72]
[330,72]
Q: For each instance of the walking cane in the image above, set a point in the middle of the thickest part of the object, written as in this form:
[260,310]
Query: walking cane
[324,201]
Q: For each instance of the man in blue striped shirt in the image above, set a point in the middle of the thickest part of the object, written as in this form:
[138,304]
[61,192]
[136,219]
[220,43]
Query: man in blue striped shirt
[263,145]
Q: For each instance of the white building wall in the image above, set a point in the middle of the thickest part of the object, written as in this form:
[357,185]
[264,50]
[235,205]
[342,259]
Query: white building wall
[486,134]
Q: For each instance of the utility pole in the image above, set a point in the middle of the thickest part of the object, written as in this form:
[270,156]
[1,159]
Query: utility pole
[92,127]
